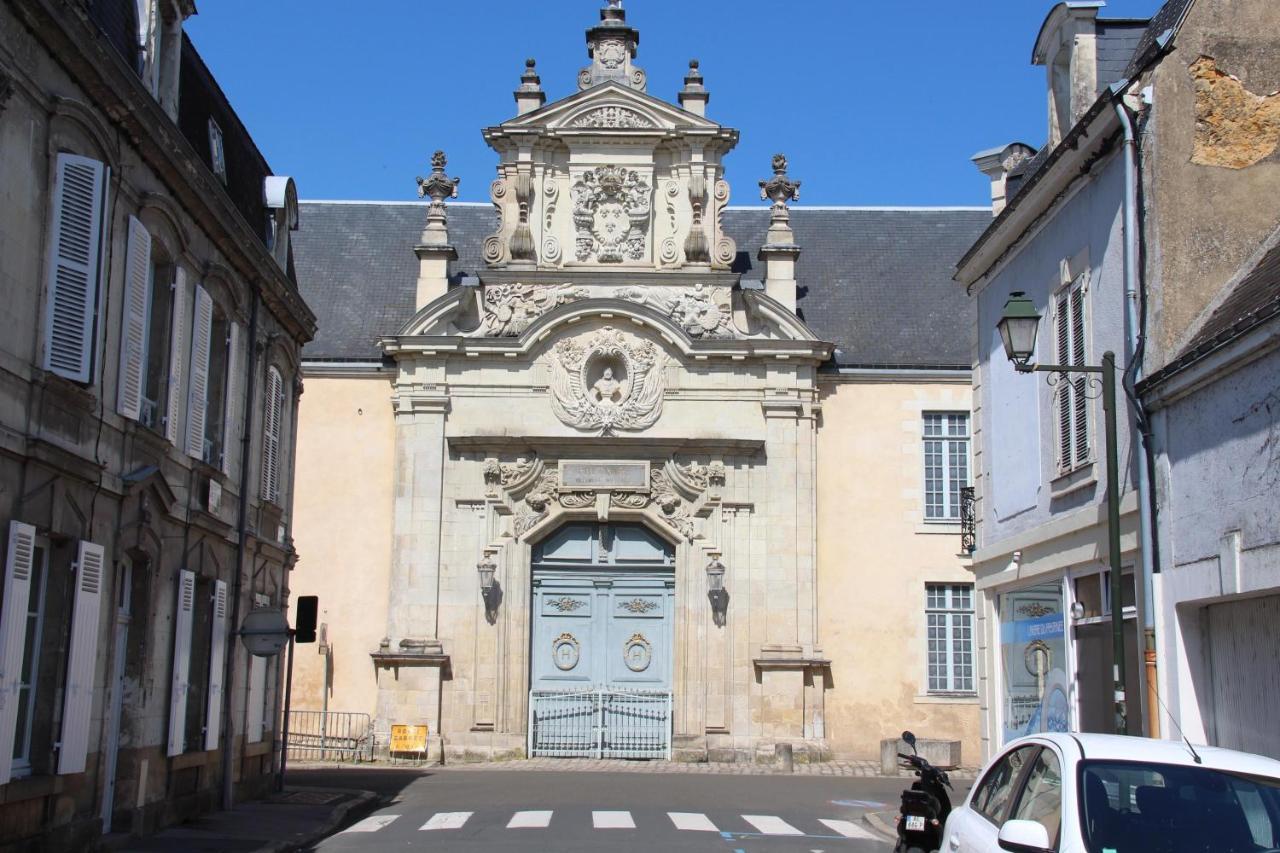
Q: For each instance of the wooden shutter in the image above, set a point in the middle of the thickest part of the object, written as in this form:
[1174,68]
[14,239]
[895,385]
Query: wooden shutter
[74,265]
[232,429]
[18,566]
[133,326]
[217,660]
[181,662]
[255,716]
[1080,411]
[198,386]
[177,353]
[1065,387]
[272,414]
[82,661]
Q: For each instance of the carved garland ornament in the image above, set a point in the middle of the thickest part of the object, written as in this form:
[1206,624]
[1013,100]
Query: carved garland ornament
[566,604]
[638,605]
[637,653]
[612,117]
[609,382]
[610,215]
[565,652]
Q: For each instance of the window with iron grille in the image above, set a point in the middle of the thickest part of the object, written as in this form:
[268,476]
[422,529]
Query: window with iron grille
[1072,401]
[946,464]
[949,623]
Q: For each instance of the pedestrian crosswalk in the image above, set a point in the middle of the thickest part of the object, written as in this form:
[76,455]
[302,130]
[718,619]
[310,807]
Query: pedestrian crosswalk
[733,825]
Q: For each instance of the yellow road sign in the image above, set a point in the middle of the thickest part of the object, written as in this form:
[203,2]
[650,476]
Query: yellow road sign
[408,738]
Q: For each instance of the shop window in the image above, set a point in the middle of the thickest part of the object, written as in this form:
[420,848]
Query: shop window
[946,464]
[1033,661]
[949,625]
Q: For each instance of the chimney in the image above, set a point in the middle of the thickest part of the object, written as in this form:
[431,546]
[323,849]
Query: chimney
[433,249]
[694,96]
[996,164]
[779,252]
[529,96]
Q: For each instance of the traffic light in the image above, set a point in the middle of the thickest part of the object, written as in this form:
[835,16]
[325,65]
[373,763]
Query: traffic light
[304,627]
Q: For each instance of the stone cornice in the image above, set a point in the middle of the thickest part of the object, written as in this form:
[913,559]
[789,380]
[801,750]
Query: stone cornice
[74,42]
[590,447]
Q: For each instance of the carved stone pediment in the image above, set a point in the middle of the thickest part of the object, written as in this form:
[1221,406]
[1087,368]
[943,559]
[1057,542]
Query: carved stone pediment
[607,381]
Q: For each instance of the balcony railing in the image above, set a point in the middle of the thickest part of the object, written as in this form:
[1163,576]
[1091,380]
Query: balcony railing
[968,521]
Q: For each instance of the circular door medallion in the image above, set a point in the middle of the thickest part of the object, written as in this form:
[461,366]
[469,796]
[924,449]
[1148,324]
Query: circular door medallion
[565,652]
[637,653]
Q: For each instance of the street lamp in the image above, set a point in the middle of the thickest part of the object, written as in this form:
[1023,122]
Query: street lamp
[1018,325]
[716,592]
[489,591]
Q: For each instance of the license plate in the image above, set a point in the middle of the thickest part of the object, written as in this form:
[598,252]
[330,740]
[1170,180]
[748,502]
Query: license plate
[915,823]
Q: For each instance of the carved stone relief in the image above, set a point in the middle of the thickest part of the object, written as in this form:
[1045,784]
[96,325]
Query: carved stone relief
[703,312]
[611,209]
[610,381]
[509,309]
[612,117]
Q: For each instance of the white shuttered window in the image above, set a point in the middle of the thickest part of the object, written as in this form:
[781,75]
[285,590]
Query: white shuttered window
[82,661]
[133,327]
[272,427]
[198,384]
[1072,402]
[177,351]
[231,430]
[75,261]
[256,712]
[18,567]
[217,658]
[181,662]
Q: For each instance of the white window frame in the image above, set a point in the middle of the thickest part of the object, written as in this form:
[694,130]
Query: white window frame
[952,481]
[217,151]
[1070,399]
[36,605]
[950,617]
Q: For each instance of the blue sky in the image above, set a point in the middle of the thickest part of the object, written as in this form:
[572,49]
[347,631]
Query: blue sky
[874,103]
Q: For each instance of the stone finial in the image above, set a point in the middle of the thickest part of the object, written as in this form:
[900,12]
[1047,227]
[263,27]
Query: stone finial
[779,189]
[611,44]
[694,96]
[529,96]
[433,249]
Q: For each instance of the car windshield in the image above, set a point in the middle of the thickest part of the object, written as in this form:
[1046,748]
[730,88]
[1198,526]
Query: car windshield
[1136,807]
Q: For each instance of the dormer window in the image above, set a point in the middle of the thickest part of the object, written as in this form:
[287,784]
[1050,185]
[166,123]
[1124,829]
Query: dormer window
[280,195]
[217,153]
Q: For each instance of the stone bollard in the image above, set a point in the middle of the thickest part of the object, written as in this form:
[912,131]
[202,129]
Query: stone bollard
[782,753]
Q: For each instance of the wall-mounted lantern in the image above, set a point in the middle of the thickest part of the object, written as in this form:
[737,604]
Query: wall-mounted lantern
[716,593]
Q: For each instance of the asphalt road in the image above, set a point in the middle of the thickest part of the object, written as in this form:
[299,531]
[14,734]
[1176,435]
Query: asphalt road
[479,810]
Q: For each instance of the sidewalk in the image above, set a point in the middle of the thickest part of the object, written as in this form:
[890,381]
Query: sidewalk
[287,821]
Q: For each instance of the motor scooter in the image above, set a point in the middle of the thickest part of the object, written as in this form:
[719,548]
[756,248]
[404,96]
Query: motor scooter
[925,805]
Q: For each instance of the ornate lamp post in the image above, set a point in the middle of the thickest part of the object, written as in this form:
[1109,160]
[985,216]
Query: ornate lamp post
[1018,326]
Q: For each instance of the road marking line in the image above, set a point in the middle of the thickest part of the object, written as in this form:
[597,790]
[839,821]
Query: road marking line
[447,820]
[692,821]
[612,820]
[530,820]
[372,823]
[848,829]
[771,825]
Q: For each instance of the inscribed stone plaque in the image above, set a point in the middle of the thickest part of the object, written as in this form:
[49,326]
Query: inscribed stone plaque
[604,475]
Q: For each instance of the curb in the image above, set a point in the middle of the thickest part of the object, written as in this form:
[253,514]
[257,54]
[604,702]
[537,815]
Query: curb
[360,801]
[876,821]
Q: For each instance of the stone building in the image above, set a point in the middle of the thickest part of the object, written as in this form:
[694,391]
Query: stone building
[624,453]
[149,342]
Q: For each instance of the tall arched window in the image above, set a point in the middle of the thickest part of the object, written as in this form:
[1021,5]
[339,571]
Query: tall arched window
[272,429]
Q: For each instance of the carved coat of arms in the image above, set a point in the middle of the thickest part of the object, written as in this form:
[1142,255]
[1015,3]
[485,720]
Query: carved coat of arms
[609,382]
[611,209]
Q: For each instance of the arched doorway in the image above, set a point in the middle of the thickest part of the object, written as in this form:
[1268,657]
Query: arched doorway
[601,642]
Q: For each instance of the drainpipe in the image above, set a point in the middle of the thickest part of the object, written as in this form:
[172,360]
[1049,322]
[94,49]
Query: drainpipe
[242,512]
[1134,345]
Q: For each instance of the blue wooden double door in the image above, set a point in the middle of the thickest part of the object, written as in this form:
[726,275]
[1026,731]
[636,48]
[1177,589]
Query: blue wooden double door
[602,609]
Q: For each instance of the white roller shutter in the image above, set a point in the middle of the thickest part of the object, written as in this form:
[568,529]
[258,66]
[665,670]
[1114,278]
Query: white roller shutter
[217,659]
[13,630]
[198,386]
[82,661]
[232,428]
[181,662]
[79,189]
[177,352]
[256,712]
[133,326]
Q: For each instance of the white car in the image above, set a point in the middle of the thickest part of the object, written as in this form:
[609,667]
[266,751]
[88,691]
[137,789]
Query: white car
[1088,793]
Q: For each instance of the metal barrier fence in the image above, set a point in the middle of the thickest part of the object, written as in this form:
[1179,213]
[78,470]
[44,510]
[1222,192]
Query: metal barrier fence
[600,723]
[330,736]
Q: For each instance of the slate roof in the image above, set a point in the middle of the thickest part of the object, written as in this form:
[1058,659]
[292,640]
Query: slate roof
[876,282]
[1169,17]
